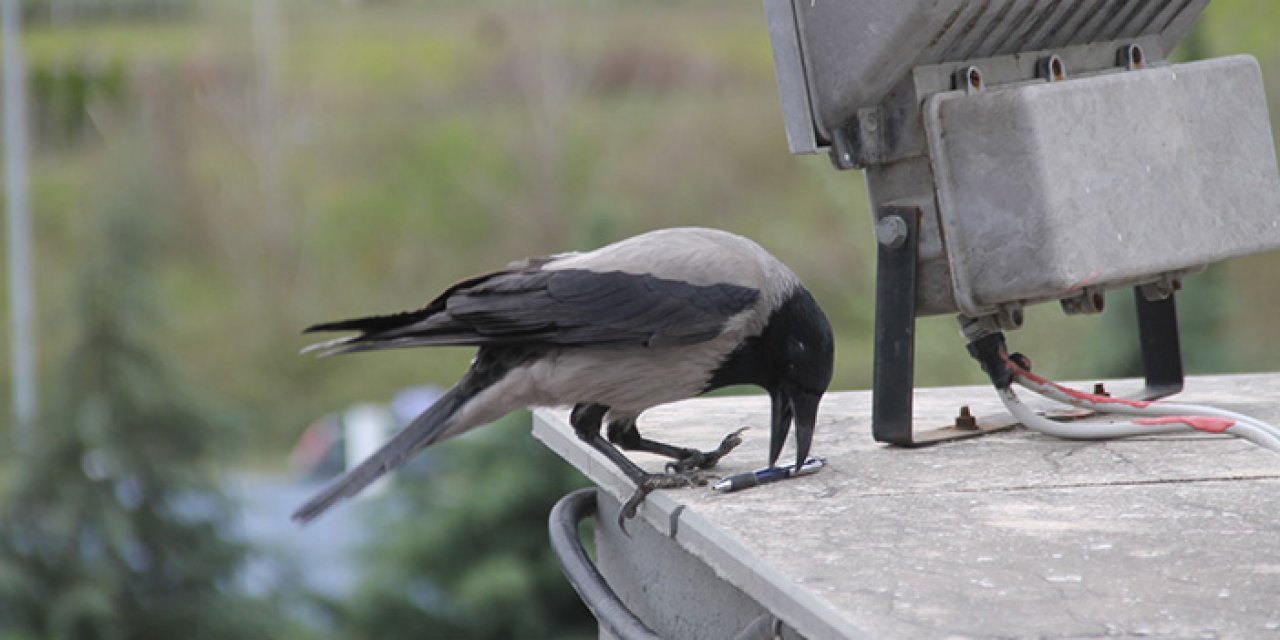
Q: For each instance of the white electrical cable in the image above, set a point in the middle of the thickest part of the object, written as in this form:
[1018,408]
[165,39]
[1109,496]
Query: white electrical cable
[1155,417]
[1096,431]
[1212,419]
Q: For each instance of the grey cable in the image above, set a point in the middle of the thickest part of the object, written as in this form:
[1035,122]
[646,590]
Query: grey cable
[1251,429]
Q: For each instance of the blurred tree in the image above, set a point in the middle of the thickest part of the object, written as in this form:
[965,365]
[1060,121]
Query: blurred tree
[462,548]
[112,527]
[62,94]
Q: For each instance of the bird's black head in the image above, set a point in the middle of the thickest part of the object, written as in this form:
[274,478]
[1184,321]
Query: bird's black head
[792,358]
[804,350]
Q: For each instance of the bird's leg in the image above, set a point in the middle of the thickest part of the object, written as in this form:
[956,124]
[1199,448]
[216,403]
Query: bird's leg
[586,420]
[625,434]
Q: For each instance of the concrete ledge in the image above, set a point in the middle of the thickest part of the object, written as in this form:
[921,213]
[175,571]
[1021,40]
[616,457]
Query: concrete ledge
[1012,534]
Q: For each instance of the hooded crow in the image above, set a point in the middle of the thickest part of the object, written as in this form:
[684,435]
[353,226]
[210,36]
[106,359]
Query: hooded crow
[662,316]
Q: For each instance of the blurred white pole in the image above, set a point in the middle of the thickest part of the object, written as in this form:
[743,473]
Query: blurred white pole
[366,427]
[21,298]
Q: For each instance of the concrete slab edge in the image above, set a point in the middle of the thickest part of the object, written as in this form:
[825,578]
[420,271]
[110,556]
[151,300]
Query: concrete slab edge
[723,554]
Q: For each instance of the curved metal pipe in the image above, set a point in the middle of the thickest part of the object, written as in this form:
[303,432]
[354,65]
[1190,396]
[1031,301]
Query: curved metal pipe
[604,604]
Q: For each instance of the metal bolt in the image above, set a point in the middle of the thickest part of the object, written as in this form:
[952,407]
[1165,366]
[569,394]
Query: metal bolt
[969,79]
[891,232]
[1009,316]
[1156,291]
[1091,300]
[966,420]
[842,150]
[1130,57]
[1162,288]
[1051,68]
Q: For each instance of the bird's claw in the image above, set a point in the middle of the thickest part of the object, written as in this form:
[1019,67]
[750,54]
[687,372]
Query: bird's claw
[688,471]
[653,481]
[707,459]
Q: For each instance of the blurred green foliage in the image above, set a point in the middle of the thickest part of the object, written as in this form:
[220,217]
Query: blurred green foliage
[113,526]
[60,98]
[464,550]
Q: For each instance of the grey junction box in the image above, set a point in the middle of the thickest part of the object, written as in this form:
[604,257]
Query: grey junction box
[1045,189]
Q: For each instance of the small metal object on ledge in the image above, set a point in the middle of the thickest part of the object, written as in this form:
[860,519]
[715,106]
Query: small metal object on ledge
[1015,534]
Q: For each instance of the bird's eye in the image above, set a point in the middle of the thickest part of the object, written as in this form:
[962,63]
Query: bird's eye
[795,353]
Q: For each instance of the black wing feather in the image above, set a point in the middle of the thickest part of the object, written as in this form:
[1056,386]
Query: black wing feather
[373,324]
[563,307]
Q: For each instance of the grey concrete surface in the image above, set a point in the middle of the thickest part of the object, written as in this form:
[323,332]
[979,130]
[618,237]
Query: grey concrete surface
[1012,534]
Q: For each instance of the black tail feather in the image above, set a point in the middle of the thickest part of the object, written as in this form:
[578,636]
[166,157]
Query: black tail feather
[360,344]
[374,324]
[371,324]
[425,430]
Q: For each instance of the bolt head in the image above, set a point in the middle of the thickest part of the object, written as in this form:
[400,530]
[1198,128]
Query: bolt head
[891,232]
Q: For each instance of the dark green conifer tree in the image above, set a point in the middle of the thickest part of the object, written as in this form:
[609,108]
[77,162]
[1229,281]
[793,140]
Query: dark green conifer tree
[111,526]
[461,550]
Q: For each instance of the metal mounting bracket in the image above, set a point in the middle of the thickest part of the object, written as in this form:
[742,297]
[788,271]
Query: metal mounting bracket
[1161,349]
[893,374]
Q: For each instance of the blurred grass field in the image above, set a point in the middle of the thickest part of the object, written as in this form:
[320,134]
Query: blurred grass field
[332,159]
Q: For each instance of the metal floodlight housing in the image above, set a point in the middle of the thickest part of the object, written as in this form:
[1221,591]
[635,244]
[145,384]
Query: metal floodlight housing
[835,59]
[1023,151]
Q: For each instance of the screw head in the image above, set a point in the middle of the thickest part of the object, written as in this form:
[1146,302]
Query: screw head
[891,231]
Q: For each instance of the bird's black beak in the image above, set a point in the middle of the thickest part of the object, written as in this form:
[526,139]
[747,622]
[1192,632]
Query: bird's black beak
[779,423]
[789,404]
[805,407]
